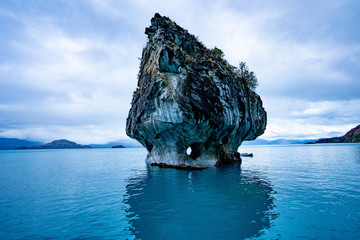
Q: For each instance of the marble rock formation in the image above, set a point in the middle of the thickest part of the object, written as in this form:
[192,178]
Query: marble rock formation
[189,97]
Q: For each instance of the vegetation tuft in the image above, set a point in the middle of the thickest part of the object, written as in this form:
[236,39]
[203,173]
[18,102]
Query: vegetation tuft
[217,52]
[241,73]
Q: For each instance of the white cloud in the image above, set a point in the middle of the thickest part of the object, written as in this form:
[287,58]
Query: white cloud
[78,85]
[291,119]
[83,81]
[83,134]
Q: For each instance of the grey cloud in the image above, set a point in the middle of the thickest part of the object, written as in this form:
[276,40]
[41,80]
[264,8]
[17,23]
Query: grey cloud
[70,69]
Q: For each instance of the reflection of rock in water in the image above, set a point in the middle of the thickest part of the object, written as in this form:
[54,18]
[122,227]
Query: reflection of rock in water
[224,203]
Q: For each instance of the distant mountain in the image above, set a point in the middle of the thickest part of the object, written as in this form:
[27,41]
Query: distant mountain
[260,141]
[13,143]
[352,136]
[118,146]
[60,144]
[331,140]
[127,143]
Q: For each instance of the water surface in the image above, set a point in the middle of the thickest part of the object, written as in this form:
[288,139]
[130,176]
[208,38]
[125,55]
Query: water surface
[283,192]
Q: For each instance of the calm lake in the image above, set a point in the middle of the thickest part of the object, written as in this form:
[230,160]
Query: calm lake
[283,192]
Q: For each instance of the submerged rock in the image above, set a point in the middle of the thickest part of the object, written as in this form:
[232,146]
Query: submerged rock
[190,97]
[246,155]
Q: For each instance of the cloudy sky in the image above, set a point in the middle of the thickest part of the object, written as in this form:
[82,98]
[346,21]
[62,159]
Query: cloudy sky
[68,68]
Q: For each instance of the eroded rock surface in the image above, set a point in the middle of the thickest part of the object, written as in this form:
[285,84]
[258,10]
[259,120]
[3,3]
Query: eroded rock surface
[188,96]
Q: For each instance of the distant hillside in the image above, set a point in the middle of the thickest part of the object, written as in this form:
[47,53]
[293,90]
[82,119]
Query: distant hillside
[13,143]
[352,136]
[331,140]
[60,144]
[260,141]
[118,146]
[127,143]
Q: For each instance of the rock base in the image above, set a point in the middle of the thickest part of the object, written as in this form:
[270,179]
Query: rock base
[228,158]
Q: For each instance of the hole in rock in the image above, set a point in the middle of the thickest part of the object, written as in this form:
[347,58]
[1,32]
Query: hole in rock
[194,150]
[188,151]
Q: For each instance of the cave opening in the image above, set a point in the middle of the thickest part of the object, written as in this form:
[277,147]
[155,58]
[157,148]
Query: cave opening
[194,150]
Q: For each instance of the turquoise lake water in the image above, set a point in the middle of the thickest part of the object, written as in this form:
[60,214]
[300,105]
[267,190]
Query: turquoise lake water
[283,192]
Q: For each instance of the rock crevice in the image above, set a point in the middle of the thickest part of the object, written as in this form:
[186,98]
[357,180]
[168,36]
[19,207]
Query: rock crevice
[187,96]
